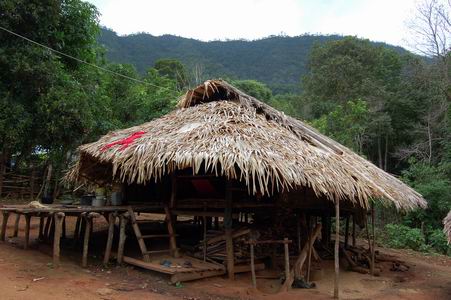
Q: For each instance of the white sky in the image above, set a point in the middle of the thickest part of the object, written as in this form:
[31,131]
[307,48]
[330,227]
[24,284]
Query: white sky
[378,20]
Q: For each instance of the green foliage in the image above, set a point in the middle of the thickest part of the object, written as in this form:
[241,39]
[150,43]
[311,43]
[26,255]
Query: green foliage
[254,88]
[401,236]
[353,117]
[173,69]
[438,241]
[434,184]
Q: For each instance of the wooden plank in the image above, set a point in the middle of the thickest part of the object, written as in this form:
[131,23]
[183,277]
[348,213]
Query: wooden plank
[155,236]
[182,277]
[149,265]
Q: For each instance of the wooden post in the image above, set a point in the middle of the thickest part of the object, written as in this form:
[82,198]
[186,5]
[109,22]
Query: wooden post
[353,230]
[373,247]
[254,277]
[109,243]
[47,227]
[4,225]
[27,231]
[16,226]
[287,258]
[228,223]
[57,237]
[298,232]
[77,228]
[64,228]
[88,221]
[205,233]
[347,232]
[41,228]
[310,246]
[337,245]
[122,238]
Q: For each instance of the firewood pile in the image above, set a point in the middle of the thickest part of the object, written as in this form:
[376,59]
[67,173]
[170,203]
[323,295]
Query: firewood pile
[358,259]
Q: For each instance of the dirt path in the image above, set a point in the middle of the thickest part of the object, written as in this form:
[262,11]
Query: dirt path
[29,274]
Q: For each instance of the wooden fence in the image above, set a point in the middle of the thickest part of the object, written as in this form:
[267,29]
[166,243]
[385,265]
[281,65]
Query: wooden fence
[19,186]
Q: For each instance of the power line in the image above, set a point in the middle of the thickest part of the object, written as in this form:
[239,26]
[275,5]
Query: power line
[83,61]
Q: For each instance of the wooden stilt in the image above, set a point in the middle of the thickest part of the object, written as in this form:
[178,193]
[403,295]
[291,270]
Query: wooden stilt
[228,224]
[298,232]
[353,231]
[41,228]
[16,226]
[52,228]
[122,238]
[337,245]
[77,228]
[109,243]
[205,236]
[27,231]
[310,246]
[88,221]
[4,225]
[254,277]
[373,248]
[347,232]
[47,227]
[57,237]
[64,228]
[287,258]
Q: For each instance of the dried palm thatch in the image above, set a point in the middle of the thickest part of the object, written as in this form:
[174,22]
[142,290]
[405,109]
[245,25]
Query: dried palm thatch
[447,227]
[219,129]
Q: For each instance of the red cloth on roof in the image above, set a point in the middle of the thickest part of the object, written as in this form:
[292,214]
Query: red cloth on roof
[124,142]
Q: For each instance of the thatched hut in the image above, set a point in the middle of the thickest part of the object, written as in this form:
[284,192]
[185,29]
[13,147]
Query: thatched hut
[223,149]
[447,226]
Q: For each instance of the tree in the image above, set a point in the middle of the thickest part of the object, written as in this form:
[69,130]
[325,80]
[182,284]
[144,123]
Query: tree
[173,69]
[254,88]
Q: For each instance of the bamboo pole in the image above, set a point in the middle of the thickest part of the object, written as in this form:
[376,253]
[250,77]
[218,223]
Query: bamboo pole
[337,245]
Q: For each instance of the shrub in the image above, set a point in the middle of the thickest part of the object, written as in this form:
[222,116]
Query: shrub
[401,236]
[438,242]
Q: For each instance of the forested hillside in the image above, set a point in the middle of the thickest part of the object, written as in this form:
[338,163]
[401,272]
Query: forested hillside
[277,61]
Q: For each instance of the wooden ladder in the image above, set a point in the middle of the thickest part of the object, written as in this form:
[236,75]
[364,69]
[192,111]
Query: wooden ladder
[141,238]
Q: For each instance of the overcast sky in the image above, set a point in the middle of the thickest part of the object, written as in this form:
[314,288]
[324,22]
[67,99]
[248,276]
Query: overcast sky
[378,20]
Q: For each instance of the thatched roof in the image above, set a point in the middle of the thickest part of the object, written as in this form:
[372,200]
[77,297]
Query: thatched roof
[447,227]
[219,129]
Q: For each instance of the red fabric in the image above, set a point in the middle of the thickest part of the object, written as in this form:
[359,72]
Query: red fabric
[124,142]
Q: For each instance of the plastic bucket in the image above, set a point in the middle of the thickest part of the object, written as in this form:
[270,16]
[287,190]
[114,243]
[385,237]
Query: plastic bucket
[99,201]
[116,198]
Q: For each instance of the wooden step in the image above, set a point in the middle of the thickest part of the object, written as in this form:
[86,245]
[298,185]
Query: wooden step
[152,236]
[159,251]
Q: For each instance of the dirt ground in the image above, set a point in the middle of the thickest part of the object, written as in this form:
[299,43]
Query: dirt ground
[29,274]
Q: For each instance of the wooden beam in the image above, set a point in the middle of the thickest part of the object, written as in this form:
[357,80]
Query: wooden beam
[188,276]
[201,213]
[337,245]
